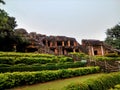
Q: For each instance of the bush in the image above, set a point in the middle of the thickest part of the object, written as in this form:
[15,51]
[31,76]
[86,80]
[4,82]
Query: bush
[4,65]
[63,59]
[112,55]
[7,60]
[103,58]
[14,54]
[103,82]
[31,58]
[9,80]
[116,87]
[81,56]
[39,67]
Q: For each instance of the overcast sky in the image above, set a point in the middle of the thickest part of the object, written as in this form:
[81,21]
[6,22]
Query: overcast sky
[81,19]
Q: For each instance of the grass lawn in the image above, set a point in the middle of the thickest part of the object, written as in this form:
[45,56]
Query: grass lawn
[57,84]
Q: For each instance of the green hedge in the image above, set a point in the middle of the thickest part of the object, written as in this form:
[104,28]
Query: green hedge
[116,87]
[40,67]
[112,55]
[81,56]
[9,80]
[31,60]
[103,82]
[102,58]
[16,54]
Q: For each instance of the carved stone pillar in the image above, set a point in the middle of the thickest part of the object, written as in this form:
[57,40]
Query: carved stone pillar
[63,43]
[61,51]
[102,50]
[51,44]
[55,43]
[75,43]
[92,50]
[69,43]
[56,51]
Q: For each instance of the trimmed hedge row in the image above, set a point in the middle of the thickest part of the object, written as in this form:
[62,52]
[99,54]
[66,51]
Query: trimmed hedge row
[103,82]
[31,60]
[39,67]
[101,58]
[16,54]
[116,87]
[9,80]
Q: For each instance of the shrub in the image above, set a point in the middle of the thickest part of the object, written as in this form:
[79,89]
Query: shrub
[103,58]
[9,80]
[103,82]
[39,67]
[29,58]
[81,56]
[7,60]
[63,59]
[112,55]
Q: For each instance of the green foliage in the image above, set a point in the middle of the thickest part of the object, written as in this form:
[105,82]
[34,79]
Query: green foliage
[112,55]
[35,62]
[7,23]
[113,36]
[14,54]
[1,1]
[39,67]
[30,58]
[80,56]
[103,82]
[65,59]
[9,80]
[8,38]
[116,87]
[107,58]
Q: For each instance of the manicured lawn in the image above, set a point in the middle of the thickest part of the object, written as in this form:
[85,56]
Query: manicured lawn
[57,84]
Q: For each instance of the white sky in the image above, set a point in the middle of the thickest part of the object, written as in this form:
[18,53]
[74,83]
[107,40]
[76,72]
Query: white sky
[81,19]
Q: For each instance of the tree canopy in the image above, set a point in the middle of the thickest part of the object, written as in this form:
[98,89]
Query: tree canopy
[113,36]
[8,36]
[1,1]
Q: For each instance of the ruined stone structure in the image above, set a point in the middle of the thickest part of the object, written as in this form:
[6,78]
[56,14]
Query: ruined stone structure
[96,47]
[62,45]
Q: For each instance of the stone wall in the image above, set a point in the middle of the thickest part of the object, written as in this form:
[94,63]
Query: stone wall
[106,66]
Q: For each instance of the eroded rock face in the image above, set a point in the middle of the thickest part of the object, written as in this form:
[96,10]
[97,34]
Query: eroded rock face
[49,44]
[62,45]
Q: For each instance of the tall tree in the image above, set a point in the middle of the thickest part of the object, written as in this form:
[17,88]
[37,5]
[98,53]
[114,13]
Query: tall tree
[1,1]
[113,36]
[7,25]
[11,39]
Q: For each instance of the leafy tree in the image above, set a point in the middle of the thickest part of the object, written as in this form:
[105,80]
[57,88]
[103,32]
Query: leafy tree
[11,39]
[7,25]
[6,22]
[1,1]
[113,36]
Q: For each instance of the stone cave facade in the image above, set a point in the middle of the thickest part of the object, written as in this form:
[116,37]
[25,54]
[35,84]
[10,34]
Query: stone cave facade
[62,45]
